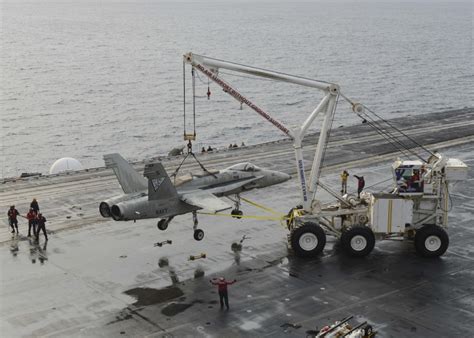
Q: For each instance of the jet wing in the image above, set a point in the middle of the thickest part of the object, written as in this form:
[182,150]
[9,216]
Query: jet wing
[205,200]
[225,188]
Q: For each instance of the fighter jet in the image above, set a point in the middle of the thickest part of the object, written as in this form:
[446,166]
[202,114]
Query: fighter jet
[158,196]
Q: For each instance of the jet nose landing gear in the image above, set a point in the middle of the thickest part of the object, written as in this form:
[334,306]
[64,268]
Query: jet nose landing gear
[198,233]
[236,212]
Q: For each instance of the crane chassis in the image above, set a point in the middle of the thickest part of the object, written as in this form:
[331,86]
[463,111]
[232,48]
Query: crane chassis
[416,208]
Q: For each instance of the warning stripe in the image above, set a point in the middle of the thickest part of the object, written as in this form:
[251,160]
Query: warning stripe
[389,221]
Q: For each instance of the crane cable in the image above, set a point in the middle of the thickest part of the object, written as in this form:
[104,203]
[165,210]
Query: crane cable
[189,137]
[401,132]
[184,98]
[402,145]
[388,136]
[174,175]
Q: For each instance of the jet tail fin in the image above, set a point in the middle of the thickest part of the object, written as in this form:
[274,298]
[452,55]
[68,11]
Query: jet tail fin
[159,183]
[130,180]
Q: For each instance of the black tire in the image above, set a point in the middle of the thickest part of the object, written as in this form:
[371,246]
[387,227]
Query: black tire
[431,241]
[236,213]
[368,330]
[162,224]
[358,241]
[198,234]
[308,240]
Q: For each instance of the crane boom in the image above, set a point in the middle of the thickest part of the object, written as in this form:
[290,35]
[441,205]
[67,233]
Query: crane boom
[327,106]
[213,63]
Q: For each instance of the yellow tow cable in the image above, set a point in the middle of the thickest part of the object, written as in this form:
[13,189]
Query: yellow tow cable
[263,207]
[262,218]
[279,216]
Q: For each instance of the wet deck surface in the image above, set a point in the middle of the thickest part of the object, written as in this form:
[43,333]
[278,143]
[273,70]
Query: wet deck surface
[97,277]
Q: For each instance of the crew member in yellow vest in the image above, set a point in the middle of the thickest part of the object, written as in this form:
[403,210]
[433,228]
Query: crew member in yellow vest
[344,177]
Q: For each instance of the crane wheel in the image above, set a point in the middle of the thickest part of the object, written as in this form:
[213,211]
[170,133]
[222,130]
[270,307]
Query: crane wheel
[162,224]
[368,330]
[431,241]
[358,241]
[308,240]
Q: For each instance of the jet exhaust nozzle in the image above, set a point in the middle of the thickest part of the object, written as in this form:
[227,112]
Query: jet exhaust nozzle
[104,209]
[116,213]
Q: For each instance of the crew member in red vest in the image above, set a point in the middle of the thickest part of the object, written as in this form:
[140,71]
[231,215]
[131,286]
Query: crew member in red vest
[13,218]
[41,226]
[222,287]
[360,184]
[31,217]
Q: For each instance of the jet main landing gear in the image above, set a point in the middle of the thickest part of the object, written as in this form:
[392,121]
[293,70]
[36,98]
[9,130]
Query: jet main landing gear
[163,223]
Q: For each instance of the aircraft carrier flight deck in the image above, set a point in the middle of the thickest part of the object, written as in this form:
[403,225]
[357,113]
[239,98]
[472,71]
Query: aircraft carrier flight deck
[97,277]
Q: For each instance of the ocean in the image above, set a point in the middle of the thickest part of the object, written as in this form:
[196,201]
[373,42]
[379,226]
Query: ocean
[82,79]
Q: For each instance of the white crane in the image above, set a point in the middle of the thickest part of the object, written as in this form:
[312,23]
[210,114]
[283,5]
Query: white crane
[417,207]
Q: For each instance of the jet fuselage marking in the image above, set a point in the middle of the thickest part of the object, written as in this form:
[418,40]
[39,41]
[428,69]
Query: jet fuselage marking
[157,182]
[161,211]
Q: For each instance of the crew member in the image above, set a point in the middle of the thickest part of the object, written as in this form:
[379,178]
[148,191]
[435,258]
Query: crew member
[41,225]
[222,287]
[209,149]
[344,177]
[360,184]
[35,206]
[13,218]
[31,217]
[415,180]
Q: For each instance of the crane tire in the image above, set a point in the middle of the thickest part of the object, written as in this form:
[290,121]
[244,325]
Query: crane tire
[368,330]
[358,241]
[431,241]
[308,240]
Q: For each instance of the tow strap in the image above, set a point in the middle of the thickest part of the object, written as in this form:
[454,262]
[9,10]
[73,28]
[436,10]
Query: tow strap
[276,216]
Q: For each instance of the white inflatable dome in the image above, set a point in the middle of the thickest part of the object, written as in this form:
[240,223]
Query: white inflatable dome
[65,164]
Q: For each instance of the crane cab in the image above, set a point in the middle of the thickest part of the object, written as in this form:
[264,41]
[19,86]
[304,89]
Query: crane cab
[408,177]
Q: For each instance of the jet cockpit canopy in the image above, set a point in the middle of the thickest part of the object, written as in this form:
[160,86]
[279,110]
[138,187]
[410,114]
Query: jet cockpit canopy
[246,166]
